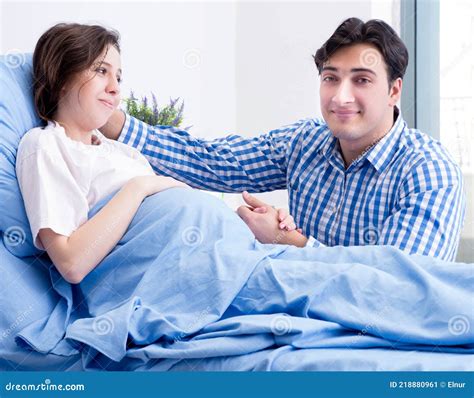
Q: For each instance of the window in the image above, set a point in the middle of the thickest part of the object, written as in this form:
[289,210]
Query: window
[457,80]
[439,86]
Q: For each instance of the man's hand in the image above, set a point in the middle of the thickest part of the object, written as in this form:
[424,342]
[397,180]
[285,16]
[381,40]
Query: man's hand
[268,224]
[114,125]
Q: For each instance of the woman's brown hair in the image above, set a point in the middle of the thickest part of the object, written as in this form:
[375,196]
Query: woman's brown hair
[62,52]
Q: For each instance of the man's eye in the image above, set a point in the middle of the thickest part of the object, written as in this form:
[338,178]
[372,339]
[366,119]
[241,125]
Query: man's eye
[363,80]
[328,79]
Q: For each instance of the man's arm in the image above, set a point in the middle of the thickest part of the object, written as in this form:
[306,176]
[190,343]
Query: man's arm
[230,164]
[114,125]
[429,213]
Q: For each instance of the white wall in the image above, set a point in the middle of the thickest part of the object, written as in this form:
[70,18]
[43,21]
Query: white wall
[182,49]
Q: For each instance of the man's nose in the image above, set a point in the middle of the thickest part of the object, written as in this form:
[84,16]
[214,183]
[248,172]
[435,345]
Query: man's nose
[343,93]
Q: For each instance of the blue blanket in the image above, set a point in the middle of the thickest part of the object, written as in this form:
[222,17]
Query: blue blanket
[188,280]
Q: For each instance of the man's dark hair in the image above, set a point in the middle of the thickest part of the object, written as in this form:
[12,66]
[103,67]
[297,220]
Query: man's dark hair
[62,52]
[375,32]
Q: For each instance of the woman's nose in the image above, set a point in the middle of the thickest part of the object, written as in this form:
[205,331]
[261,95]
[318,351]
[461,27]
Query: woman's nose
[113,87]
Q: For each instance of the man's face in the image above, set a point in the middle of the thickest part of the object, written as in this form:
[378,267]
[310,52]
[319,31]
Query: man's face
[356,101]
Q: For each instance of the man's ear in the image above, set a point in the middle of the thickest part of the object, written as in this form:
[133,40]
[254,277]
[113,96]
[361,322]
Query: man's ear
[395,91]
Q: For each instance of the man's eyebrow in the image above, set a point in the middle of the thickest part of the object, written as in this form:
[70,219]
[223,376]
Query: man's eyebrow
[106,63]
[353,70]
[332,68]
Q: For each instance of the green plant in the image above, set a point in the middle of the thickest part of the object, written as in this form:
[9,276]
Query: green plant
[169,115]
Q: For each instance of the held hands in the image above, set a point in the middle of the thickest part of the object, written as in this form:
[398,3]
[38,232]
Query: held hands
[268,224]
[151,184]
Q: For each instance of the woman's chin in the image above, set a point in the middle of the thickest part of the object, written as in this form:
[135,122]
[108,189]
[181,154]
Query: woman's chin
[101,121]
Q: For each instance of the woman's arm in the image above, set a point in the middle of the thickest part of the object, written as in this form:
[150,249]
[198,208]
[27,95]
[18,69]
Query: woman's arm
[77,255]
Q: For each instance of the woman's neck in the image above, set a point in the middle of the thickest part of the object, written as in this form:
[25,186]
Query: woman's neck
[73,130]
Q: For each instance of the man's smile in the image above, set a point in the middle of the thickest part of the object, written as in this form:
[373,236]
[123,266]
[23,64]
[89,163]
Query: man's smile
[345,114]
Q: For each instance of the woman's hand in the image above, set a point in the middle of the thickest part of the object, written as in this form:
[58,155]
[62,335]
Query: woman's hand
[266,229]
[270,225]
[286,221]
[149,185]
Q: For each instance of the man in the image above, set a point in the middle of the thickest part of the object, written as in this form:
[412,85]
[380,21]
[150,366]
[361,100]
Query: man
[358,177]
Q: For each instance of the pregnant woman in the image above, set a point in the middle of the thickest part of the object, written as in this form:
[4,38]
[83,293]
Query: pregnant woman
[67,166]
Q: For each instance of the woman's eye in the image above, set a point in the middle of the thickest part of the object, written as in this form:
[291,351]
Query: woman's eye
[101,70]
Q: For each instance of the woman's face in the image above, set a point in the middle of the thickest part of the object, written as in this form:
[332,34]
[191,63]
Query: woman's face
[90,99]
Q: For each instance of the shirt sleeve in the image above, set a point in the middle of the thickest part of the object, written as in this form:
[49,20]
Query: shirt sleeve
[429,213]
[313,242]
[230,164]
[52,197]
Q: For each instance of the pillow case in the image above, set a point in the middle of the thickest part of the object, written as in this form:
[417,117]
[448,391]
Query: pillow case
[17,116]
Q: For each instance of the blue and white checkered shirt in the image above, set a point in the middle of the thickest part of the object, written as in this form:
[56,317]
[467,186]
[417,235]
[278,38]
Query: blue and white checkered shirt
[406,191]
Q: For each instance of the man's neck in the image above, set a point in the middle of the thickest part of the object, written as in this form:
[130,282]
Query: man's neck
[350,151]
[349,156]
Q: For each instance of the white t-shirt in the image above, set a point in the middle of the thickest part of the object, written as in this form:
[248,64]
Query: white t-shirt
[62,179]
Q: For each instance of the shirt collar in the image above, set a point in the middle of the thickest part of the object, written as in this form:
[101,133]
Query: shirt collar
[330,150]
[381,154]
